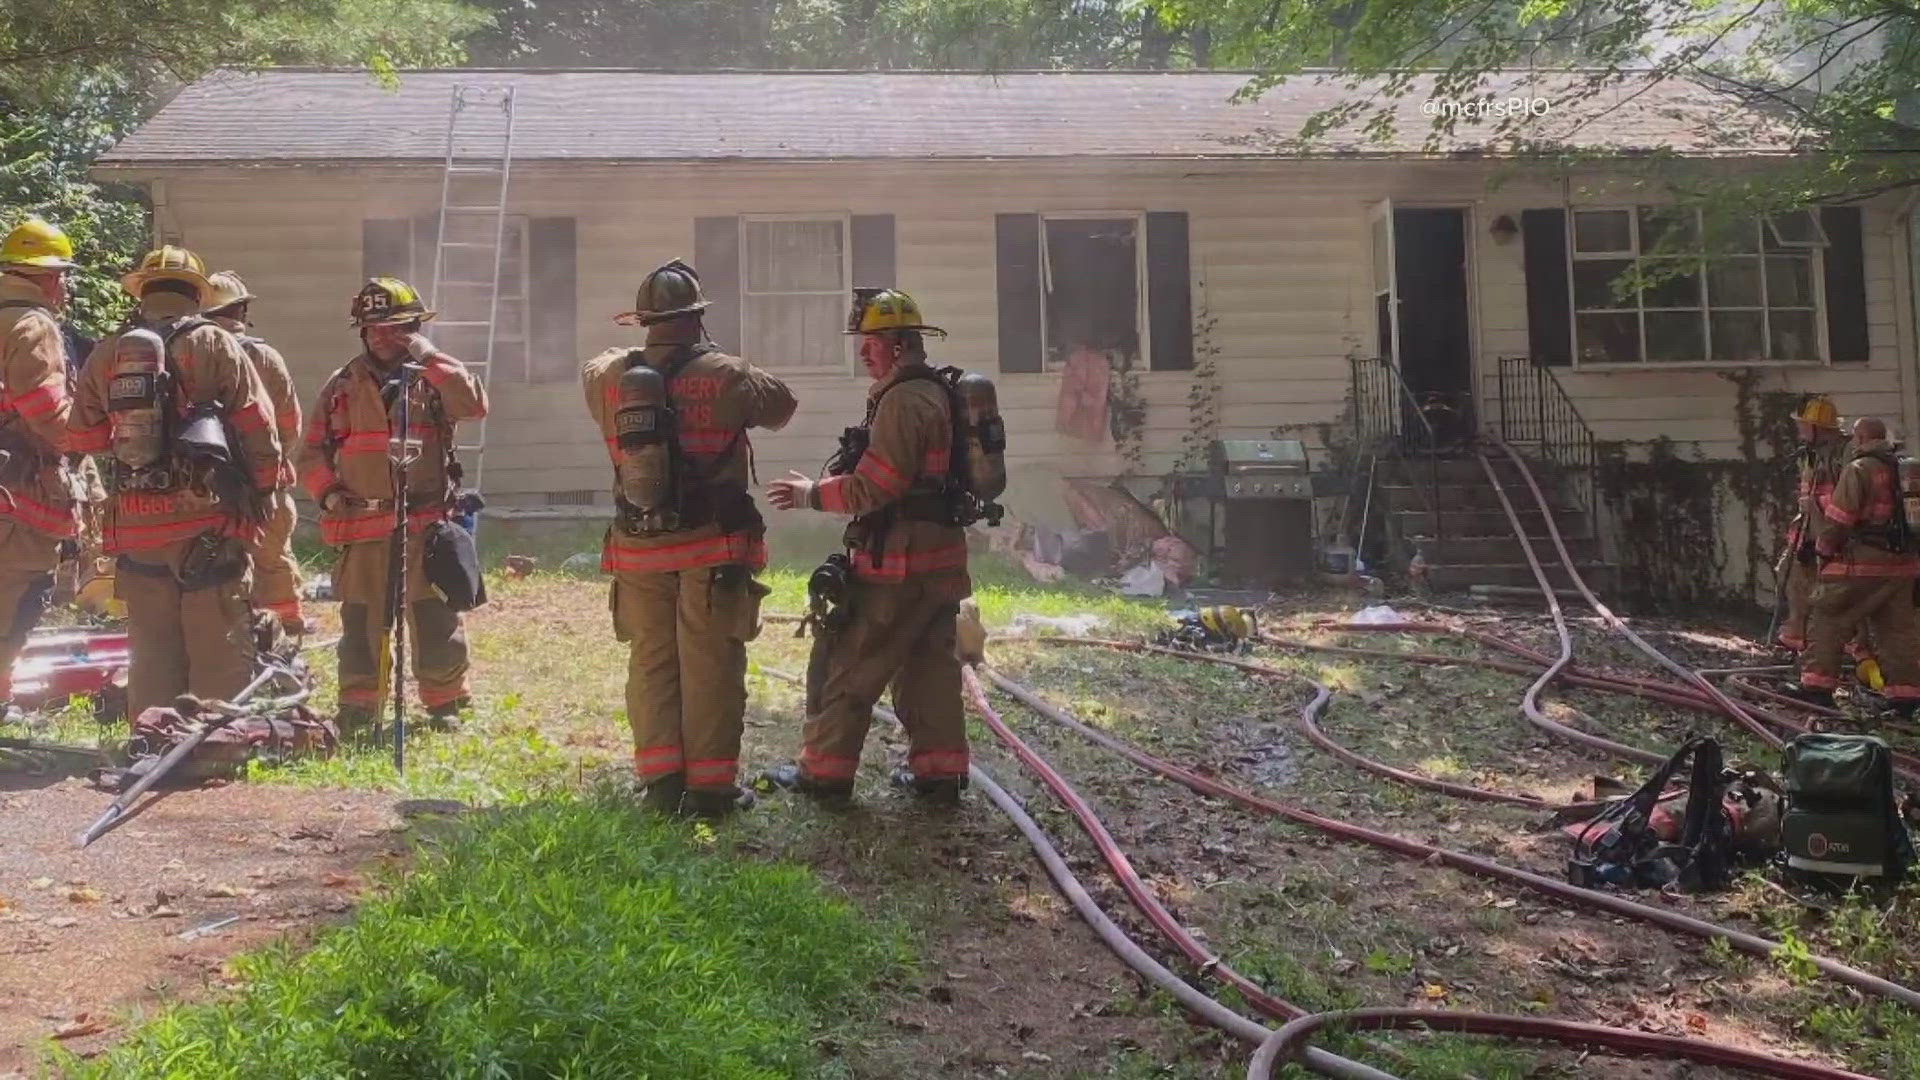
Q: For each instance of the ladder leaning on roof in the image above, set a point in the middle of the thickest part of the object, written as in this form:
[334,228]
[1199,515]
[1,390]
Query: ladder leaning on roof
[469,243]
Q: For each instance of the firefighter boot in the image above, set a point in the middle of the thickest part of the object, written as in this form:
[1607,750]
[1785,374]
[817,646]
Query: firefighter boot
[1812,695]
[355,724]
[445,717]
[937,791]
[716,804]
[663,794]
[790,778]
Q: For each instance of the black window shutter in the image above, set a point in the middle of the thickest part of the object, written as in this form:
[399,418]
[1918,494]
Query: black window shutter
[1846,274]
[386,247]
[873,250]
[426,239]
[1017,262]
[716,256]
[553,305]
[1549,301]
[1169,292]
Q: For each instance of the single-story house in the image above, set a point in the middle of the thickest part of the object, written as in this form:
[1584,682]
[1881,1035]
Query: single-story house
[1061,225]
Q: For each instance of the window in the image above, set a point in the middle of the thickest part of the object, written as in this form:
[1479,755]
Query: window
[794,293]
[1091,269]
[462,296]
[1756,299]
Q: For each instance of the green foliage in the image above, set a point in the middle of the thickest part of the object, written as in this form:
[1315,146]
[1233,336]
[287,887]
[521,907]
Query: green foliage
[837,34]
[570,939]
[1835,71]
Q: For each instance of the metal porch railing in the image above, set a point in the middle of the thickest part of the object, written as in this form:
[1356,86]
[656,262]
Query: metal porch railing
[1388,422]
[1536,415]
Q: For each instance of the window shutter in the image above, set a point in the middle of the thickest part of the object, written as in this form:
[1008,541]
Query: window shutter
[1846,274]
[386,247]
[1169,292]
[1017,262]
[873,251]
[426,239]
[553,304]
[716,256]
[1549,300]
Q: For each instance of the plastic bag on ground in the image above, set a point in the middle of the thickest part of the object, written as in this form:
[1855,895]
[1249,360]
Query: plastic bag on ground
[1147,579]
[1377,615]
[1069,625]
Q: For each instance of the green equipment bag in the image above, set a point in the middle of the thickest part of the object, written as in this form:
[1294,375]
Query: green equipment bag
[1842,817]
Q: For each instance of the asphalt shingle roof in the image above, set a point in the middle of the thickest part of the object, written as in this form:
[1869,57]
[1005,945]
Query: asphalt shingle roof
[595,115]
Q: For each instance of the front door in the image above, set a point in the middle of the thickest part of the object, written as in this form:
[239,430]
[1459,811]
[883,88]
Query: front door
[1432,341]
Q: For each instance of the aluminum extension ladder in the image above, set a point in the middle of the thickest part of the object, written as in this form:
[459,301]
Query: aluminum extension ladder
[472,227]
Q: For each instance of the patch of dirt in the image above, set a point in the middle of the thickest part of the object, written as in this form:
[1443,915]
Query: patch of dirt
[88,936]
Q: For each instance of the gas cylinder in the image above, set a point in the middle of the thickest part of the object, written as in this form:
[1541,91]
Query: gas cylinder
[1910,490]
[137,399]
[642,424]
[986,437]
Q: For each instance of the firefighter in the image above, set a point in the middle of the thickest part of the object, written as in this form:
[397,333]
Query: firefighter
[1867,566]
[1823,453]
[276,577]
[346,466]
[908,573]
[686,541]
[195,460]
[37,515]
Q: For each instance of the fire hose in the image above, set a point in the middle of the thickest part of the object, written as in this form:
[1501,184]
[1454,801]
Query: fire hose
[1116,939]
[1415,849]
[1612,1040]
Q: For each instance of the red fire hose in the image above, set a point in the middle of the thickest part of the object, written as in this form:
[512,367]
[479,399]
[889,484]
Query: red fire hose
[1612,1040]
[1290,1039]
[1418,850]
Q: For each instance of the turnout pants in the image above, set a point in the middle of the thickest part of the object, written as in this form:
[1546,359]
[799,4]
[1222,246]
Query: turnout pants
[27,561]
[686,633]
[1885,606]
[898,636]
[276,578]
[1799,581]
[184,640]
[436,635]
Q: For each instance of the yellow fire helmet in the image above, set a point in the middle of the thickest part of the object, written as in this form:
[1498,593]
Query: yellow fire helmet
[37,244]
[226,290]
[168,263]
[885,311]
[1232,623]
[385,301]
[1819,411]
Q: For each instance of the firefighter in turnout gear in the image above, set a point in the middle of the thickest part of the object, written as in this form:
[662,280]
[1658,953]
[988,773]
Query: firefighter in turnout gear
[37,513]
[346,467]
[1869,558]
[686,540]
[189,429]
[276,578]
[892,623]
[1822,455]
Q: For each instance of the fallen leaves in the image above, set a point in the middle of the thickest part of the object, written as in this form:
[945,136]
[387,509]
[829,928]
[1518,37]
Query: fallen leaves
[85,894]
[81,1026]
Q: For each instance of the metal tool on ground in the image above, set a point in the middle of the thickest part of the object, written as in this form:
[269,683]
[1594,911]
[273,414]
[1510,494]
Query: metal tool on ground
[223,713]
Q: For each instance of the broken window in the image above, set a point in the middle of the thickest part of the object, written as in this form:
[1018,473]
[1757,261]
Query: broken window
[1090,285]
[1646,290]
[794,293]
[465,286]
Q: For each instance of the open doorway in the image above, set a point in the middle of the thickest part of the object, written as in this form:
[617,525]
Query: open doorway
[1435,338]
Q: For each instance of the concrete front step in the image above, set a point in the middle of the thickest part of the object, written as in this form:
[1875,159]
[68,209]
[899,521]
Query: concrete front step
[1484,523]
[1470,496]
[1603,578]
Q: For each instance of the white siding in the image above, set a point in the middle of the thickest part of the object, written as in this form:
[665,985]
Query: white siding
[1278,251]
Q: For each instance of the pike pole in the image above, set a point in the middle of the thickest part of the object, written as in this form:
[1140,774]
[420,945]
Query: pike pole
[402,451]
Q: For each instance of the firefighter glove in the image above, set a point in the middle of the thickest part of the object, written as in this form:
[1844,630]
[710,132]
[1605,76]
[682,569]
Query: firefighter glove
[1806,554]
[333,499]
[793,493]
[419,347]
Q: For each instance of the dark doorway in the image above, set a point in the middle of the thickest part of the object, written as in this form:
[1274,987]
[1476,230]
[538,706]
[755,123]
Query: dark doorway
[1436,342]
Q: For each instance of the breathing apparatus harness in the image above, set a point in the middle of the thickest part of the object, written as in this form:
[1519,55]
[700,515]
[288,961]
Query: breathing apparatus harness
[949,500]
[1896,534]
[693,500]
[158,447]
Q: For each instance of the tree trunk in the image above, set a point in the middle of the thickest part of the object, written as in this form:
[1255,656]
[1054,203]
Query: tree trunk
[1156,42]
[1200,43]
